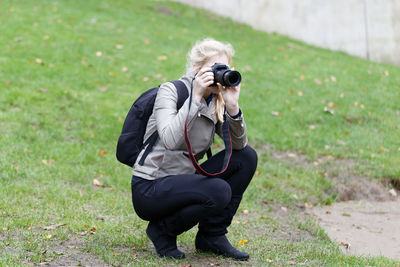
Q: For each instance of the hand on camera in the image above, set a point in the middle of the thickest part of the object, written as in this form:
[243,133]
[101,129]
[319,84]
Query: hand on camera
[231,98]
[204,78]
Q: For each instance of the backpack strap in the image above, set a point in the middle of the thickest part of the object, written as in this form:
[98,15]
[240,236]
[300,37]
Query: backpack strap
[150,142]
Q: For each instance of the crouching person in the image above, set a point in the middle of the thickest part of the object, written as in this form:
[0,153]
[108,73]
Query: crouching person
[167,189]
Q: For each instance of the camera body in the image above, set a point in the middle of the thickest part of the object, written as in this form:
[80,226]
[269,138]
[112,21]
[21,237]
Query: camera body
[225,76]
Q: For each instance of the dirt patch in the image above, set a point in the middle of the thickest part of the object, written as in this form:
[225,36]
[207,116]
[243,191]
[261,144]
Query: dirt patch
[363,227]
[348,184]
[70,254]
[365,221]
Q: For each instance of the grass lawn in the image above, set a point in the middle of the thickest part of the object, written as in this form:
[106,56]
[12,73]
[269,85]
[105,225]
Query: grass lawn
[69,72]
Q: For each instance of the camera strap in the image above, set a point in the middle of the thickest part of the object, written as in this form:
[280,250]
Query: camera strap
[227,141]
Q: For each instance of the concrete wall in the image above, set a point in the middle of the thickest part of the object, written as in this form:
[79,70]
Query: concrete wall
[364,28]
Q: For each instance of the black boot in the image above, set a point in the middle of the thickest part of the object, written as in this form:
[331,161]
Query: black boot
[219,245]
[164,243]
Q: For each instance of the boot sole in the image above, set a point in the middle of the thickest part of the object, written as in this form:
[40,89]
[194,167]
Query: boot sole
[207,250]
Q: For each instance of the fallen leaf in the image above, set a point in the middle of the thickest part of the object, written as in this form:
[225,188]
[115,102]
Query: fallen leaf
[346,214]
[327,212]
[328,110]
[48,161]
[346,245]
[102,153]
[98,183]
[302,77]
[265,202]
[308,205]
[52,227]
[242,242]
[318,81]
[284,209]
[72,247]
[393,192]
[162,57]
[386,73]
[147,41]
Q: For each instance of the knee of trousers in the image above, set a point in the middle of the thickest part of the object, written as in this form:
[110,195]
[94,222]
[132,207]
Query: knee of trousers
[219,194]
[249,157]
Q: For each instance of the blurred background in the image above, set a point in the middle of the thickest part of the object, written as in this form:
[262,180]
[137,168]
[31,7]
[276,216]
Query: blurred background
[365,28]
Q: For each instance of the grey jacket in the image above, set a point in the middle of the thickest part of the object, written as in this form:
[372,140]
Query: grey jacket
[169,155]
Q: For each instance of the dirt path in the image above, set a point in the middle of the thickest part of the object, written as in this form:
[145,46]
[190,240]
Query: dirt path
[369,227]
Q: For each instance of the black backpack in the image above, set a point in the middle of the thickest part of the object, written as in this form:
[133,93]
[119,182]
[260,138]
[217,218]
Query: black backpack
[130,142]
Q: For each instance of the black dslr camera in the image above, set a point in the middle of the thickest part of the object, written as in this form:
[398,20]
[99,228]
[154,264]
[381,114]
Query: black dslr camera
[225,76]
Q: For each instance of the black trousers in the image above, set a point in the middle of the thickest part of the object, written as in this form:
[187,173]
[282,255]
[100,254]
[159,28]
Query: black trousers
[179,202]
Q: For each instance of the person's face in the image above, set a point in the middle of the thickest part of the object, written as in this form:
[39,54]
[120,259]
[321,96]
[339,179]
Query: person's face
[222,58]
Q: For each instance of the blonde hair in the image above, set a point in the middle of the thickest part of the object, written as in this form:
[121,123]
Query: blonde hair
[200,53]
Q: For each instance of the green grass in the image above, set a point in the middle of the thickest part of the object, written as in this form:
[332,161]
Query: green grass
[61,104]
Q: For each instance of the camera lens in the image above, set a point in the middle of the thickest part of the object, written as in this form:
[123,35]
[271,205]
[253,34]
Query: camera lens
[232,78]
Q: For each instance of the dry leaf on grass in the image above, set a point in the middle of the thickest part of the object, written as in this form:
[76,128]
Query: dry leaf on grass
[242,242]
[52,227]
[102,153]
[98,183]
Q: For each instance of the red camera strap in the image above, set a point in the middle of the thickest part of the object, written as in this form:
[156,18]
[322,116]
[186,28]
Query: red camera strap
[227,140]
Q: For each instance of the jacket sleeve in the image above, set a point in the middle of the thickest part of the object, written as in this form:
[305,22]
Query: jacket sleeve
[170,122]
[238,131]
